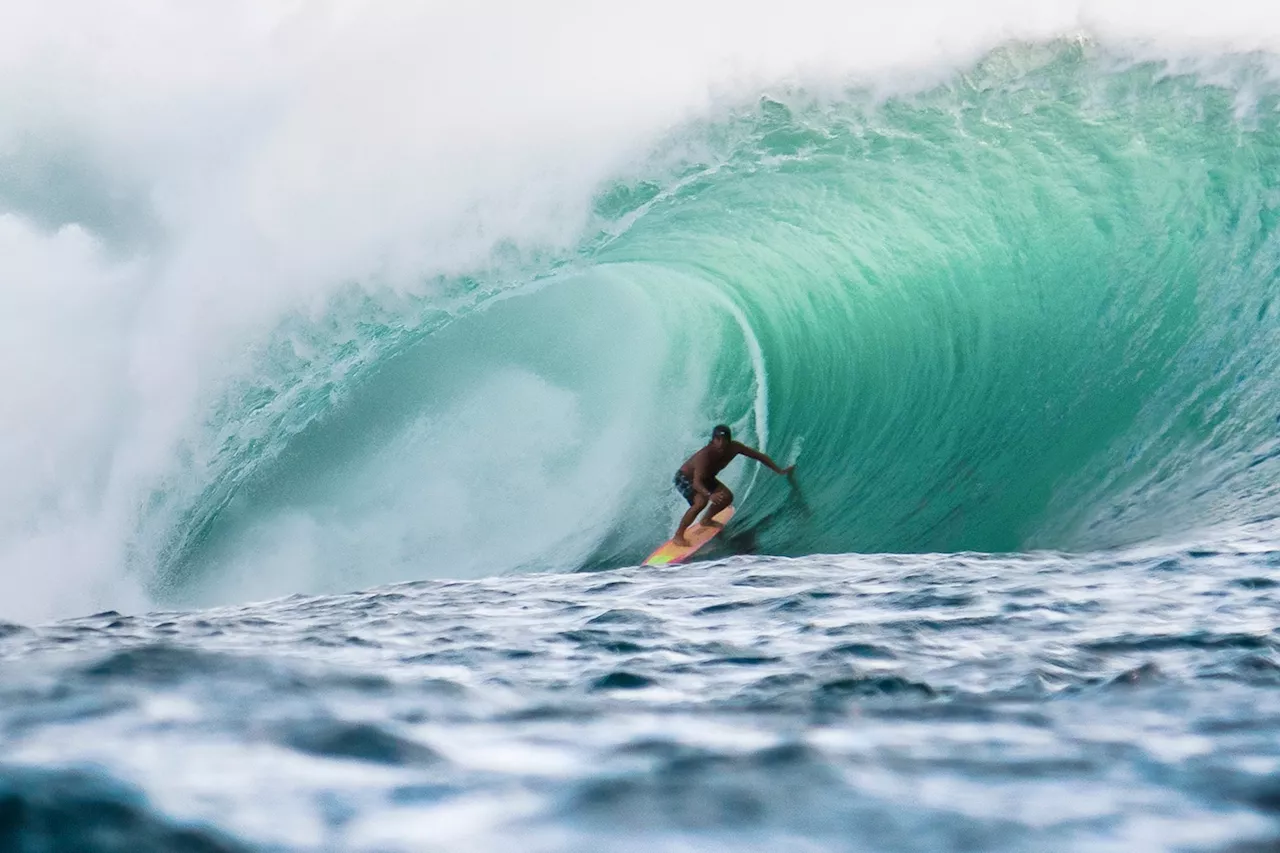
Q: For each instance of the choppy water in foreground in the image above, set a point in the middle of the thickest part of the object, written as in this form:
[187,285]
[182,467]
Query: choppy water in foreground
[1118,701]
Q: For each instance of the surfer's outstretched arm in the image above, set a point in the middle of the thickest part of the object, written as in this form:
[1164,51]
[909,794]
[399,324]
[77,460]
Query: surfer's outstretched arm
[752,453]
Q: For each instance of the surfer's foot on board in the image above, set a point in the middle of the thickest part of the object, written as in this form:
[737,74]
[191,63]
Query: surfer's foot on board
[680,541]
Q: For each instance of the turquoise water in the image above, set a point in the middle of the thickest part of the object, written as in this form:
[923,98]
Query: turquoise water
[349,363]
[1027,308]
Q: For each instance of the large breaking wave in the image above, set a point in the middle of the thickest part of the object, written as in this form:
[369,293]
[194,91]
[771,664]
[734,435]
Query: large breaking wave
[1025,304]
[1029,308]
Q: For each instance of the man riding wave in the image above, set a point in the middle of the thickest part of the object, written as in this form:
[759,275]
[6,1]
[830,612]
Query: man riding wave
[696,479]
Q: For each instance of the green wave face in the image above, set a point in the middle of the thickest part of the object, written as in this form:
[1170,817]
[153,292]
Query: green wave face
[1029,308]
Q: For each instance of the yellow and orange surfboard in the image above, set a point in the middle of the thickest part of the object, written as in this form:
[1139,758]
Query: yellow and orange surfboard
[698,535]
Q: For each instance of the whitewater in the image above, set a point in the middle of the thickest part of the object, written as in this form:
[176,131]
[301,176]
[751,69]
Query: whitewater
[349,349]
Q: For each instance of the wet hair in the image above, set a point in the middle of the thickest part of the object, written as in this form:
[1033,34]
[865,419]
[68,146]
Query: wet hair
[721,430]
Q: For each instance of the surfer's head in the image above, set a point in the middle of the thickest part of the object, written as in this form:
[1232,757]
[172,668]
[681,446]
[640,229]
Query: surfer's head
[721,435]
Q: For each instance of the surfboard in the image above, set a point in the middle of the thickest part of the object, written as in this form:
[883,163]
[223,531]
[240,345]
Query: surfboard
[697,535]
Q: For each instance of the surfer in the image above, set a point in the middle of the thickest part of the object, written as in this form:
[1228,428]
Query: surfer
[696,480]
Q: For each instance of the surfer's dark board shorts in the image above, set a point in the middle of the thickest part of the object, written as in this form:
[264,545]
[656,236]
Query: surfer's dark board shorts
[684,486]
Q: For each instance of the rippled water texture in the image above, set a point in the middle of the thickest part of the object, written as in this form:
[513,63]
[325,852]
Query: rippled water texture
[1123,701]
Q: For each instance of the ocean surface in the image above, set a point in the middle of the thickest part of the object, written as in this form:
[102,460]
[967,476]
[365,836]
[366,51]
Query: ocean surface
[347,351]
[1126,700]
